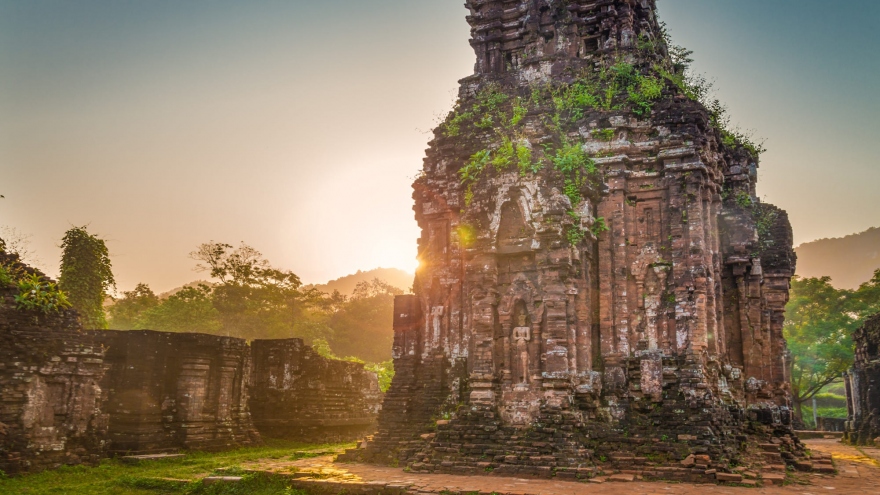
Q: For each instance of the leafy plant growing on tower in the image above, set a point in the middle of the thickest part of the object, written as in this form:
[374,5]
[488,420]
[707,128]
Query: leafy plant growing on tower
[86,275]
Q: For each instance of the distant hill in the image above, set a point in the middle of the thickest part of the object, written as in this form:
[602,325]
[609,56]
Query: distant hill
[345,285]
[850,261]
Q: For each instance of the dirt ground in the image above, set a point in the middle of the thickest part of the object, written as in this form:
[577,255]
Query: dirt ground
[858,473]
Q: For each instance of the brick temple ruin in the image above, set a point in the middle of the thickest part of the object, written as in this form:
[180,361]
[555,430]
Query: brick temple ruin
[598,279]
[863,387]
[50,397]
[69,396]
[168,391]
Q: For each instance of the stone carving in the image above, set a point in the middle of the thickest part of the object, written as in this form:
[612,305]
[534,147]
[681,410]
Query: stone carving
[436,315]
[522,336]
[632,328]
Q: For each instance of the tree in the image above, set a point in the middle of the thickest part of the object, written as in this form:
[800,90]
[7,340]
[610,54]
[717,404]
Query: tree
[819,324]
[86,275]
[363,326]
[254,299]
[188,310]
[15,242]
[867,297]
[126,313]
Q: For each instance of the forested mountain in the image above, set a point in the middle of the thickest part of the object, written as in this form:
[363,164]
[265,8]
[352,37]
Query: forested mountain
[850,261]
[345,285]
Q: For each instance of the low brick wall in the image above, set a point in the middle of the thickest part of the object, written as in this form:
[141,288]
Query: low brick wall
[298,394]
[69,396]
[169,391]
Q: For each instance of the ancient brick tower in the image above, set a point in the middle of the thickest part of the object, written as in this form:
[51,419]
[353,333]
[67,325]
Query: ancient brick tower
[597,275]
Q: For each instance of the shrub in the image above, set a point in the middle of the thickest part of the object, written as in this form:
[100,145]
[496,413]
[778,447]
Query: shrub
[36,293]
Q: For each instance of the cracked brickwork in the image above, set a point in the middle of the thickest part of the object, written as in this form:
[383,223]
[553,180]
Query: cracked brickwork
[626,307]
[863,386]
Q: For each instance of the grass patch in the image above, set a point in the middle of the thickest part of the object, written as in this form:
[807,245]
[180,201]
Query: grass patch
[113,477]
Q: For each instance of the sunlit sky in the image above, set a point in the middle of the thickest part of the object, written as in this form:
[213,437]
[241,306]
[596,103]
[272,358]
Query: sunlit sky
[297,126]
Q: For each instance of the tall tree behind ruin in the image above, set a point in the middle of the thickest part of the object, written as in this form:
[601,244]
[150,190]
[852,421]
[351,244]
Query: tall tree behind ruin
[86,275]
[362,325]
[819,324]
[125,313]
[254,299]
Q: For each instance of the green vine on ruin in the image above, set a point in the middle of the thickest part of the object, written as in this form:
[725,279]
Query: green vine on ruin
[619,86]
[764,216]
[676,70]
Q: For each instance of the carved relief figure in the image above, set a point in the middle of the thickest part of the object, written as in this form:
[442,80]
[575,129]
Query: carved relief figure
[436,314]
[522,336]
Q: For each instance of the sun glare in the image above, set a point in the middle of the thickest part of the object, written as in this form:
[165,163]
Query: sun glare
[394,254]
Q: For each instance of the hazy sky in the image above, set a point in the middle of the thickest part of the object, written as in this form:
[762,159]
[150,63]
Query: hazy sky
[297,126]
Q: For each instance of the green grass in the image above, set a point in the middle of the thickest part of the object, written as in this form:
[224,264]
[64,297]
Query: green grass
[113,477]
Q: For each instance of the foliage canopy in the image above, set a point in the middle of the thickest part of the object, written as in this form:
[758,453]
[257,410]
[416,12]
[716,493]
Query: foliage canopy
[820,321]
[250,299]
[86,275]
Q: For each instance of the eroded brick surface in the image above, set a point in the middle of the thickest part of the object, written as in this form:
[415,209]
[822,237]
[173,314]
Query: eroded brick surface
[168,391]
[298,394]
[50,395]
[537,342]
[863,387]
[69,396]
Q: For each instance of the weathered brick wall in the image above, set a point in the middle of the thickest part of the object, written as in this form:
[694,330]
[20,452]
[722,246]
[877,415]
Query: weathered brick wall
[69,396]
[168,391]
[863,386]
[49,387]
[547,350]
[298,394]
